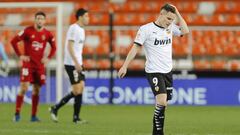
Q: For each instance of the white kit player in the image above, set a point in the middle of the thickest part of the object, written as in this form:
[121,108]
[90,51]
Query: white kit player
[156,40]
[74,66]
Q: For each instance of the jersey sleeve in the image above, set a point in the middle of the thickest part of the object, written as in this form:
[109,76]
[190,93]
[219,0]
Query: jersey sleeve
[22,34]
[140,37]
[19,37]
[176,30]
[71,35]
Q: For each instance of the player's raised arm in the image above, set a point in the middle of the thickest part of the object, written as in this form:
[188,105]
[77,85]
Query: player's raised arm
[132,53]
[183,25]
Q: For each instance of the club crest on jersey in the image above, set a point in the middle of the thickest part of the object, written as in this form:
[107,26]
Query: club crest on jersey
[162,42]
[168,31]
[33,36]
[43,37]
[156,88]
[36,45]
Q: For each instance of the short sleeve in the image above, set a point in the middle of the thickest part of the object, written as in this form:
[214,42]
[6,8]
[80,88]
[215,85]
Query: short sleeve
[71,33]
[140,37]
[22,34]
[176,30]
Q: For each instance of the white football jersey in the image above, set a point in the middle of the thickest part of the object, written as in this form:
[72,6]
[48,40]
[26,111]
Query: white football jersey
[77,34]
[157,44]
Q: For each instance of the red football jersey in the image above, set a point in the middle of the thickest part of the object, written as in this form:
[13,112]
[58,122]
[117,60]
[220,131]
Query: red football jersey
[34,44]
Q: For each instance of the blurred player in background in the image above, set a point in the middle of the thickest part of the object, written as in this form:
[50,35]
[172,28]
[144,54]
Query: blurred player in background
[3,61]
[74,66]
[156,39]
[33,61]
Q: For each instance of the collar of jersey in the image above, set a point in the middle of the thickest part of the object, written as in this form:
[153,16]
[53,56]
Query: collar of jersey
[158,25]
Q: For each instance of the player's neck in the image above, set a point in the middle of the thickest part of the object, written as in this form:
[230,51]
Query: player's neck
[80,23]
[38,28]
[159,24]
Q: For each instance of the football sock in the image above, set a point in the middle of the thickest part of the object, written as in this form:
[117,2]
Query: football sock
[19,102]
[77,106]
[64,100]
[35,101]
[158,120]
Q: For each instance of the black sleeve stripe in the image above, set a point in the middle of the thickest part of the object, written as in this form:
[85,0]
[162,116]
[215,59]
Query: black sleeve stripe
[137,43]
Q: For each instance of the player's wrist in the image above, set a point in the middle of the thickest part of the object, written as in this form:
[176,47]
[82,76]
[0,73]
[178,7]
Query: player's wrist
[125,66]
[76,63]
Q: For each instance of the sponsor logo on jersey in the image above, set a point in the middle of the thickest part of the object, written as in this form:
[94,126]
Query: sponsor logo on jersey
[162,42]
[33,36]
[37,45]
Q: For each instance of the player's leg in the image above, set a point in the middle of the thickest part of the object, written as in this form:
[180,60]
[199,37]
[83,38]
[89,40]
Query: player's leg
[19,99]
[35,102]
[169,85]
[78,90]
[161,103]
[159,114]
[74,80]
[54,109]
[38,79]
[25,77]
[157,83]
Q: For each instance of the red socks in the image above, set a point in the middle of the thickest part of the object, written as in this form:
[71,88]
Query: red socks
[35,101]
[19,102]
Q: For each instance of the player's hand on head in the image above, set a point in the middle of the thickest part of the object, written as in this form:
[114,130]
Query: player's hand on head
[174,7]
[24,58]
[122,72]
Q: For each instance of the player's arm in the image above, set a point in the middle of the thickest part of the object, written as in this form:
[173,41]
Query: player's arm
[132,53]
[51,41]
[183,25]
[53,47]
[14,42]
[72,54]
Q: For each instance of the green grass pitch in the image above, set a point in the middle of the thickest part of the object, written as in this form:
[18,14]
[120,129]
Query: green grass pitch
[124,120]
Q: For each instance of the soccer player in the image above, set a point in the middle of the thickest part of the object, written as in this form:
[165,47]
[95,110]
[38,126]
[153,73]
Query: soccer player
[156,39]
[33,61]
[74,66]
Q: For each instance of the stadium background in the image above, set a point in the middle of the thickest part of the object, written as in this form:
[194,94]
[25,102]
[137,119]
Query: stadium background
[206,63]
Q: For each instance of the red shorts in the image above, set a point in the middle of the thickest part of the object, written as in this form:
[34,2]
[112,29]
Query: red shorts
[34,75]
